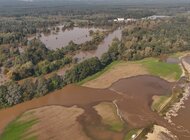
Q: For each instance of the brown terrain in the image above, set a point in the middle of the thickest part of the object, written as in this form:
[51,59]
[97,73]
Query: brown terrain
[55,122]
[117,72]
[132,96]
[89,113]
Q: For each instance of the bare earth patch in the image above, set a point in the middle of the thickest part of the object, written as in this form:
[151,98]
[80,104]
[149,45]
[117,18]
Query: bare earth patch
[160,133]
[117,72]
[56,123]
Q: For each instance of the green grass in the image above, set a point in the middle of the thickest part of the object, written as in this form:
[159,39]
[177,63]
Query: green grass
[118,127]
[154,67]
[99,73]
[16,129]
[129,135]
[163,103]
[162,69]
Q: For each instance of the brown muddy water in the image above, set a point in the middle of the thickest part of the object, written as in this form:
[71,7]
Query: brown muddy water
[173,60]
[62,38]
[182,120]
[79,36]
[102,48]
[133,97]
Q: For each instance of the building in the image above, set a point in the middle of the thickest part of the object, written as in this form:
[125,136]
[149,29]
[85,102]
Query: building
[130,20]
[119,20]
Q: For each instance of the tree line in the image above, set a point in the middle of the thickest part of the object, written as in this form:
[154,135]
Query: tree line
[142,39]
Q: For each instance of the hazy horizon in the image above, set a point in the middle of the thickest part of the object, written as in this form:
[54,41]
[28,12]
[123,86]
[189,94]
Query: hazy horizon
[99,1]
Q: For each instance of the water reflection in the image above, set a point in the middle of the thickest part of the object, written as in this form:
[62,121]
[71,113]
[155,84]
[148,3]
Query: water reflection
[61,38]
[102,48]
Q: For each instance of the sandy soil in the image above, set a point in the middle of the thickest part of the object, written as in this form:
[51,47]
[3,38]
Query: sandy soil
[160,133]
[117,72]
[56,123]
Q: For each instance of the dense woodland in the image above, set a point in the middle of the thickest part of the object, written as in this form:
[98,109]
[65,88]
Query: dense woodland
[23,59]
[153,38]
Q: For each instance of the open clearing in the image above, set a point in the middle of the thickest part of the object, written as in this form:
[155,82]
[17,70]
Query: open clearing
[120,69]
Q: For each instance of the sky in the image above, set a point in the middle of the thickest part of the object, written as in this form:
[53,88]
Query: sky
[101,1]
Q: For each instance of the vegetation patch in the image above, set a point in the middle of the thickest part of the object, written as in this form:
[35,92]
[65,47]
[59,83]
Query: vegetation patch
[169,71]
[16,130]
[109,115]
[162,103]
[132,133]
[121,69]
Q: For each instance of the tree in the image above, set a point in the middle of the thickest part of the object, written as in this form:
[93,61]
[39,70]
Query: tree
[14,93]
[105,59]
[41,86]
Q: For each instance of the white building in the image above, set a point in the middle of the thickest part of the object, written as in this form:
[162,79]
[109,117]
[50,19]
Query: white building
[130,20]
[119,20]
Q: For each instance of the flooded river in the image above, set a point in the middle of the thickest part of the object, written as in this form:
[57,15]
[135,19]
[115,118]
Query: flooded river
[78,35]
[181,121]
[102,48]
[62,38]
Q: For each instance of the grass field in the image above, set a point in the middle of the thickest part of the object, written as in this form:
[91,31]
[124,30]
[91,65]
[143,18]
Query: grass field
[108,112]
[122,69]
[16,130]
[162,69]
[129,135]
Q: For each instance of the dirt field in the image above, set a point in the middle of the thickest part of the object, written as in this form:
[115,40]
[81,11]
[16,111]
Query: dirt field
[117,72]
[56,123]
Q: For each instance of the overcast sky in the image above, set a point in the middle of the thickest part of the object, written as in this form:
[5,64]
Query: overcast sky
[103,1]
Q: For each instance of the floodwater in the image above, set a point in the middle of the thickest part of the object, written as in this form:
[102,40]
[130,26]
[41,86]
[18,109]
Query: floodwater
[138,92]
[102,48]
[78,35]
[133,96]
[181,121]
[173,60]
[62,38]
